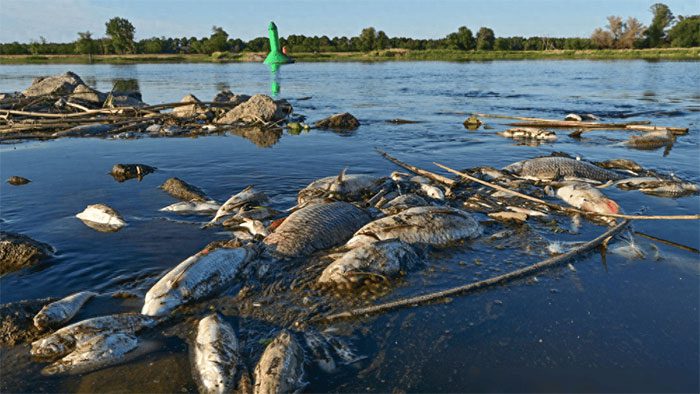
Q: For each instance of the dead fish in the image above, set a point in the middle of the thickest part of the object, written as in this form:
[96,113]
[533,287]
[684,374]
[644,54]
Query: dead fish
[438,226]
[216,355]
[182,190]
[383,258]
[102,214]
[397,176]
[256,213]
[651,140]
[345,186]
[316,227]
[65,340]
[320,351]
[123,172]
[341,348]
[197,277]
[573,117]
[281,367]
[17,180]
[621,164]
[548,168]
[249,195]
[254,227]
[403,202]
[192,207]
[529,133]
[433,192]
[528,212]
[97,352]
[59,312]
[658,187]
[585,197]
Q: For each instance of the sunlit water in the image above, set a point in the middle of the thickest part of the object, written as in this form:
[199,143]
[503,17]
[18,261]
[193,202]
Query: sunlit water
[612,325]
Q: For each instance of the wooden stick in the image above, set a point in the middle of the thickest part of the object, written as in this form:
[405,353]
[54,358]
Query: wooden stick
[497,280]
[667,242]
[428,174]
[569,209]
[78,106]
[674,130]
[534,122]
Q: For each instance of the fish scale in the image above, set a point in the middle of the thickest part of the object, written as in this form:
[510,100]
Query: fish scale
[553,167]
[216,354]
[316,227]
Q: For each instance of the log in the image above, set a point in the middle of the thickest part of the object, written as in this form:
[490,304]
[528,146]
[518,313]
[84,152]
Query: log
[419,171]
[674,130]
[471,287]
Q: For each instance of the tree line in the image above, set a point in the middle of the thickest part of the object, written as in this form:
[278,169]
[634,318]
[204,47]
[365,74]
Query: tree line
[665,30]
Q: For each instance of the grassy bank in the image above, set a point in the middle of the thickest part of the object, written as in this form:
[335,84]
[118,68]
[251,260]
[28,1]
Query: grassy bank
[386,55]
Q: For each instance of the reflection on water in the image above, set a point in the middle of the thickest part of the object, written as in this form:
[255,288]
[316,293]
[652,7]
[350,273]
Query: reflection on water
[275,86]
[126,87]
[628,325]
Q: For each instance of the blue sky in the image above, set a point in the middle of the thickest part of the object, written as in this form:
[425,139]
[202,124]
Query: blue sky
[60,20]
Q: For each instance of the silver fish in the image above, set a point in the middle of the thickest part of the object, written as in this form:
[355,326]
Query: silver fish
[65,340]
[97,352]
[403,202]
[59,312]
[529,133]
[585,197]
[101,214]
[281,367]
[437,226]
[320,352]
[197,277]
[651,140]
[316,227]
[548,168]
[385,258]
[658,187]
[347,186]
[247,196]
[192,207]
[341,348]
[621,164]
[216,355]
[433,192]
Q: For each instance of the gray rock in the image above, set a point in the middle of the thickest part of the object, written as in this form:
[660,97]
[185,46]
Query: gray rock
[17,180]
[88,94]
[344,121]
[54,85]
[258,108]
[187,111]
[17,325]
[19,251]
[182,190]
[226,96]
[113,101]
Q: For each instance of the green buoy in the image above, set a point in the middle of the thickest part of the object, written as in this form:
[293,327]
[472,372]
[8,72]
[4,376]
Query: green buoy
[275,56]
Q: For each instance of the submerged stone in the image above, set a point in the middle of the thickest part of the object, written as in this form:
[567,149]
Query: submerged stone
[19,251]
[344,121]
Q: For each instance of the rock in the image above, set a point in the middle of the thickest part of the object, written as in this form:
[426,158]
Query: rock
[18,251]
[187,111]
[518,217]
[344,121]
[17,180]
[154,128]
[113,101]
[258,108]
[226,96]
[60,85]
[88,94]
[123,172]
[182,190]
[17,324]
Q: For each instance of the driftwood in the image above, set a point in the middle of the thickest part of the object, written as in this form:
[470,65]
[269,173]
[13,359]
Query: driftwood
[674,130]
[667,242]
[541,122]
[419,171]
[497,280]
[569,209]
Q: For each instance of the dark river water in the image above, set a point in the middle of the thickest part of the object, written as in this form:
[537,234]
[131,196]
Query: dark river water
[612,325]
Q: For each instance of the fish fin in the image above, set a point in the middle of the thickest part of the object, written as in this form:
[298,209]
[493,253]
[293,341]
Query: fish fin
[342,175]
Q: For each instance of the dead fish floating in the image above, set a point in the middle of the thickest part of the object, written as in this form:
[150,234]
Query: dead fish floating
[192,207]
[182,190]
[102,218]
[123,172]
[436,226]
[66,339]
[316,227]
[281,367]
[529,133]
[320,351]
[249,195]
[651,140]
[384,259]
[61,311]
[346,186]
[97,352]
[216,355]
[17,180]
[196,278]
[587,198]
[658,187]
[550,168]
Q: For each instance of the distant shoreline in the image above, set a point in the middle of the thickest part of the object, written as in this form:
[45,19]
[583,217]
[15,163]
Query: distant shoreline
[659,54]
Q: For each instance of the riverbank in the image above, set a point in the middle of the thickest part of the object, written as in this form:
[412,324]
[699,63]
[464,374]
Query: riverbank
[385,55]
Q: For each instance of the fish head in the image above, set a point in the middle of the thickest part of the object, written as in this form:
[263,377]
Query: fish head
[601,205]
[159,306]
[42,321]
[53,346]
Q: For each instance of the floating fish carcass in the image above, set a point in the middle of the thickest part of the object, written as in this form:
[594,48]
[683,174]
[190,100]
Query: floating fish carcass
[437,226]
[249,195]
[192,207]
[548,168]
[316,227]
[344,186]
[320,350]
[59,312]
[64,340]
[587,198]
[529,133]
[383,258]
[197,277]
[403,202]
[101,217]
[658,187]
[97,352]
[651,140]
[216,355]
[281,366]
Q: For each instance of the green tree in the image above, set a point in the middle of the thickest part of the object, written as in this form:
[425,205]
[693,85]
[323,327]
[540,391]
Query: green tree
[367,38]
[152,45]
[686,33]
[463,39]
[382,41]
[485,39]
[85,44]
[121,33]
[656,33]
[218,41]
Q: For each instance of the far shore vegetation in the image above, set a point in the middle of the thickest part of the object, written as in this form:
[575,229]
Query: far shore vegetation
[667,37]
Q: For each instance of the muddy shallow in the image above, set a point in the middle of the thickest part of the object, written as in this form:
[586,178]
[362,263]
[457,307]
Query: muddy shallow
[611,325]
